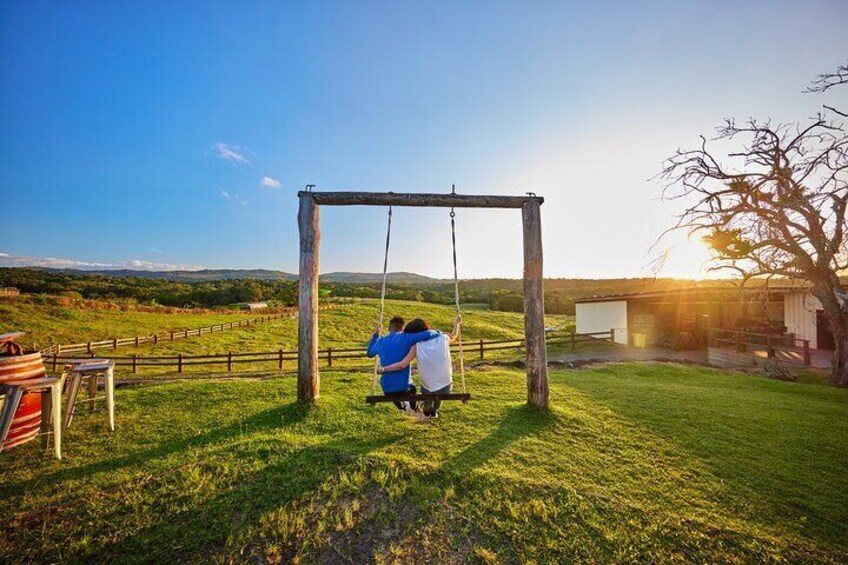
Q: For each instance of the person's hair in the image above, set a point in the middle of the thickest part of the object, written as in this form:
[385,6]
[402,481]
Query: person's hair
[396,324]
[416,326]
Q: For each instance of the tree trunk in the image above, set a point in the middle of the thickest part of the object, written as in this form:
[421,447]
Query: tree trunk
[837,322]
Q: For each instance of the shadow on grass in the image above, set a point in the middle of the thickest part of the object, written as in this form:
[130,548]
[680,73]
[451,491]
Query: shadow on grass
[208,526]
[274,418]
[519,422]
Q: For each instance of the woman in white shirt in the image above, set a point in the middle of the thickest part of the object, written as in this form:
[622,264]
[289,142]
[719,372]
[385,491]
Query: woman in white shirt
[435,370]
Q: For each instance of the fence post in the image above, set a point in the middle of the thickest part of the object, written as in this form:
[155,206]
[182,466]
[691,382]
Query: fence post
[807,359]
[56,357]
[329,356]
[155,339]
[172,336]
[612,336]
[230,362]
[281,359]
[114,343]
[186,334]
[135,364]
[769,348]
[481,349]
[180,363]
[88,347]
[573,339]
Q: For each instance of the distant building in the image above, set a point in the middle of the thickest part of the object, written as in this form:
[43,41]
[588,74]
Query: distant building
[652,317]
[9,291]
[251,306]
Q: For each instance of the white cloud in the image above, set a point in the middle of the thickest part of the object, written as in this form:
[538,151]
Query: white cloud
[269,182]
[232,153]
[7,260]
[229,197]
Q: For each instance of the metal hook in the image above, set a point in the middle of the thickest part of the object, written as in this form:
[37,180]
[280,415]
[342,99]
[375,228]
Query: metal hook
[309,187]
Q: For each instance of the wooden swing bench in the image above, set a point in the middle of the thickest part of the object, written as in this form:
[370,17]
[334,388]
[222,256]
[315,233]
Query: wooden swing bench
[461,396]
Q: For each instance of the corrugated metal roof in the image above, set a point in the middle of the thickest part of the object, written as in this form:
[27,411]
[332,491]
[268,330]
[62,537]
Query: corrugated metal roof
[679,292]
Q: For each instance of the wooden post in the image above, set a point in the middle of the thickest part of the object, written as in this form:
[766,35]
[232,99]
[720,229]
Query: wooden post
[114,343]
[807,359]
[155,339]
[329,356]
[136,341]
[88,347]
[230,362]
[573,339]
[482,351]
[308,380]
[534,306]
[180,363]
[172,336]
[135,363]
[281,360]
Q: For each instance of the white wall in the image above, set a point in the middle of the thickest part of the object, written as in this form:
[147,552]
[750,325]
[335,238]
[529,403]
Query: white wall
[603,316]
[799,315]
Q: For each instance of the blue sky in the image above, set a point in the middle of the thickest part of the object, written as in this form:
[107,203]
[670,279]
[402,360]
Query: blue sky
[139,134]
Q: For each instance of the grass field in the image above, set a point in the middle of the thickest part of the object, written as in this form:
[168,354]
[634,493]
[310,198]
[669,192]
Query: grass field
[47,322]
[650,463]
[349,325]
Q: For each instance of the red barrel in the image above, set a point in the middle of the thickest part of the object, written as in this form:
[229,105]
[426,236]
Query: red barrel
[26,423]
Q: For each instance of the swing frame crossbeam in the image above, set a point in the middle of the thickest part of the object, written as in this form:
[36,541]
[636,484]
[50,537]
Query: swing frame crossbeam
[308,379]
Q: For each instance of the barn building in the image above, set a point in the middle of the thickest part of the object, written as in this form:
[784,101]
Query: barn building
[684,318]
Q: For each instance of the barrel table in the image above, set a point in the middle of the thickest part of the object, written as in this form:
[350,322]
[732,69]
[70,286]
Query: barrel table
[25,390]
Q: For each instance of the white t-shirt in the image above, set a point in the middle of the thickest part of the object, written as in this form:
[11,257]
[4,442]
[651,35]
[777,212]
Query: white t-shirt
[434,363]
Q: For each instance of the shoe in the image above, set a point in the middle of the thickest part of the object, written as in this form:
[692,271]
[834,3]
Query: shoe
[432,415]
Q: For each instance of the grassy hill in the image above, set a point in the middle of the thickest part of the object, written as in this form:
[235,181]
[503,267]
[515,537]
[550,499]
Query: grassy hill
[52,320]
[634,463]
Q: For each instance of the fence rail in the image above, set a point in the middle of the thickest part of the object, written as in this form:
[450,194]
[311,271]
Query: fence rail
[169,335]
[773,344]
[330,355]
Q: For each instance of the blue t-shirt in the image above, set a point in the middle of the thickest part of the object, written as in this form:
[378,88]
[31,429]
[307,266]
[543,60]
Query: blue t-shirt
[393,348]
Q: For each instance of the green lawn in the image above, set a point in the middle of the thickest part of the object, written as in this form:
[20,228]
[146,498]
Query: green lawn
[46,322]
[349,325]
[648,463]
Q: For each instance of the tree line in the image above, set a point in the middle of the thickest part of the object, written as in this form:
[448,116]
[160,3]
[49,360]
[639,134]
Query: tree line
[497,294]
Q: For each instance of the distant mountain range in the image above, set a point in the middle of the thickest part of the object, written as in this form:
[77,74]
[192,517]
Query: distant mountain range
[260,274]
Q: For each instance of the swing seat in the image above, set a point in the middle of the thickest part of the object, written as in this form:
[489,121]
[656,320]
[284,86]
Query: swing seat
[464,397]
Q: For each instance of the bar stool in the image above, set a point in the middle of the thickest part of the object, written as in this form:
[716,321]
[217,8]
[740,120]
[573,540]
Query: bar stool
[92,370]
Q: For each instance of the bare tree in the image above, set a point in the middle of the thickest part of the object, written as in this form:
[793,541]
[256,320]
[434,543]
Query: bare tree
[774,208]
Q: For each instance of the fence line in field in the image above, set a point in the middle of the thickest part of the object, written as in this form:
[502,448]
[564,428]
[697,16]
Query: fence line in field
[169,335]
[330,355]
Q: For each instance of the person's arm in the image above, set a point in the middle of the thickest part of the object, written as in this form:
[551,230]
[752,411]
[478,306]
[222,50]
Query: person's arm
[373,345]
[402,364]
[412,339]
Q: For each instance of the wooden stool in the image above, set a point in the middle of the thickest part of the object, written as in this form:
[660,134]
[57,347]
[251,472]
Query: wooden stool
[92,370]
[51,408]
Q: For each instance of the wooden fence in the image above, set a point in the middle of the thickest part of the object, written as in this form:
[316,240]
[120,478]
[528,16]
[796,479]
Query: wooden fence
[332,355]
[114,343]
[784,346]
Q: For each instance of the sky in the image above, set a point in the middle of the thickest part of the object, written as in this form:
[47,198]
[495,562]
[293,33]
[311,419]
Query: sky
[169,135]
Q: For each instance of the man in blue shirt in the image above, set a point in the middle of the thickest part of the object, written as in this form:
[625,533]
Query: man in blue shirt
[392,348]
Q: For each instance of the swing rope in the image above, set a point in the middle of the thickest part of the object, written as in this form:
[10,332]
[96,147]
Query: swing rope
[456,300]
[376,379]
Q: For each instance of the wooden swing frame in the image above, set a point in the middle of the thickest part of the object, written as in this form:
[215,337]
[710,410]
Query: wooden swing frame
[308,377]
